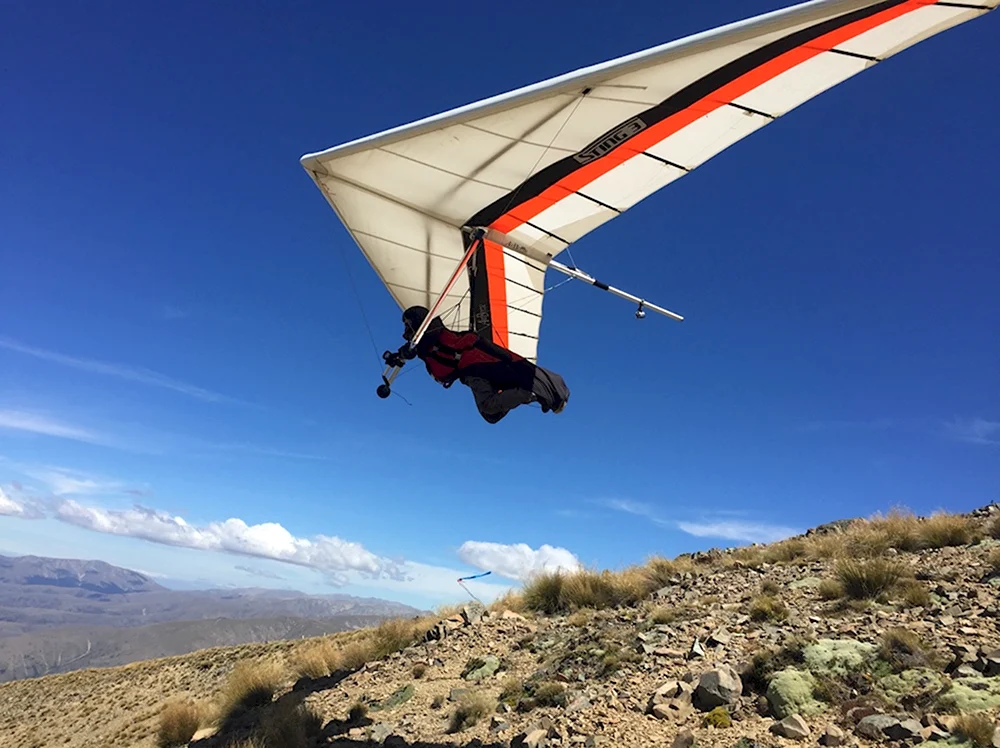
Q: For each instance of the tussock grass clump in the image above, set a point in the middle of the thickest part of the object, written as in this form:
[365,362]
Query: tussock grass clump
[357,712]
[543,592]
[770,587]
[786,551]
[868,579]
[559,592]
[903,650]
[914,594]
[942,530]
[289,725]
[658,572]
[510,600]
[471,708]
[316,660]
[830,589]
[252,683]
[994,561]
[179,721]
[975,728]
[419,670]
[511,690]
[993,528]
[767,608]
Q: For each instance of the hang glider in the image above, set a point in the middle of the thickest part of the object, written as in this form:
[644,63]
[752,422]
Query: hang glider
[464,212]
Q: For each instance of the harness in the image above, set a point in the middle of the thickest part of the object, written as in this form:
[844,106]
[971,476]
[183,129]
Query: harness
[444,362]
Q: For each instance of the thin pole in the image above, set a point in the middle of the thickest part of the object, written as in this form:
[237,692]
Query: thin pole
[643,304]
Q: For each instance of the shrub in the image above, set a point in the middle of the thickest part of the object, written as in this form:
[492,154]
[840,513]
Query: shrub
[869,579]
[914,594]
[471,708]
[994,561]
[511,690]
[770,587]
[993,528]
[419,670]
[357,713]
[179,721]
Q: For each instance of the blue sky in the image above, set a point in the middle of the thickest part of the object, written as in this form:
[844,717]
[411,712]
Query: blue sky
[180,339]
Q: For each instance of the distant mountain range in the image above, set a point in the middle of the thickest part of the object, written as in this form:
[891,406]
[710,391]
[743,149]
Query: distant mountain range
[64,614]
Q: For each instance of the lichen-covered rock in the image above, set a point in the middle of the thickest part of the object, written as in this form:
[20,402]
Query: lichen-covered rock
[790,692]
[971,695]
[481,668]
[837,656]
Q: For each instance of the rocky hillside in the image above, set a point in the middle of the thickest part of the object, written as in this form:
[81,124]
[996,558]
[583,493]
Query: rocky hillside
[92,576]
[873,632]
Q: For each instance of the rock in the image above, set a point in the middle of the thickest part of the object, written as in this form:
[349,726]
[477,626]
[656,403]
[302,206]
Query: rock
[473,613]
[719,687]
[578,705]
[456,693]
[537,738]
[480,668]
[965,671]
[399,697]
[793,727]
[672,699]
[510,615]
[746,743]
[380,732]
[498,725]
[684,739]
[933,732]
[996,737]
[904,730]
[204,732]
[720,638]
[833,735]
[874,726]
[697,651]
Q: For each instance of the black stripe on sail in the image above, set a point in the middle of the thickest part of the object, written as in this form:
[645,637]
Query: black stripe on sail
[699,89]
[480,318]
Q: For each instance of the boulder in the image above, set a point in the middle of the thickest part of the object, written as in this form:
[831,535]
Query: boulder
[719,687]
[793,727]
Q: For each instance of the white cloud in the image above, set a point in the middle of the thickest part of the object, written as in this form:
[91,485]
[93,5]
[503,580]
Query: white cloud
[752,532]
[332,556]
[975,430]
[10,507]
[133,374]
[64,482]
[518,561]
[36,423]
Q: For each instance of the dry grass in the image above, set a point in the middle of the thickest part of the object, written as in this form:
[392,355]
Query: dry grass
[317,660]
[770,587]
[419,670]
[978,729]
[252,683]
[904,650]
[993,528]
[289,725]
[510,600]
[471,708]
[767,608]
[869,579]
[830,589]
[994,561]
[179,721]
[914,594]
[786,551]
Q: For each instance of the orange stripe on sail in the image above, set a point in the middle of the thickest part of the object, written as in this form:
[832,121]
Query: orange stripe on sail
[496,282]
[726,94]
